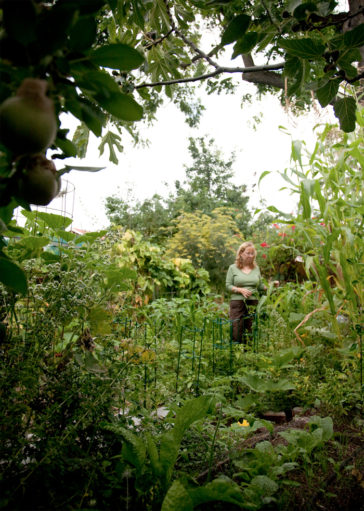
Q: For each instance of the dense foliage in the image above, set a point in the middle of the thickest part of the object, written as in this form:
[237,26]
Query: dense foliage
[121,386]
[110,63]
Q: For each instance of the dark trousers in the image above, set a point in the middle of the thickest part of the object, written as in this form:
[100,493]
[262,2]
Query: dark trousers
[241,314]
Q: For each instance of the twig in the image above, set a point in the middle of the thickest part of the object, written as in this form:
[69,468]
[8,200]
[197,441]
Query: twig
[158,41]
[305,319]
[218,71]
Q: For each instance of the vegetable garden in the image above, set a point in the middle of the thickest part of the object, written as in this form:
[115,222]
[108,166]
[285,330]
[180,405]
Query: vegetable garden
[122,389]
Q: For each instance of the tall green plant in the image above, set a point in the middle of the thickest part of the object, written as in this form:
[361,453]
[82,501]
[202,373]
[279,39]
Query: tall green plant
[329,181]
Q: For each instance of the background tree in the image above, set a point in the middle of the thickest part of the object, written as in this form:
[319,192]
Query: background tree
[150,217]
[208,186]
[209,241]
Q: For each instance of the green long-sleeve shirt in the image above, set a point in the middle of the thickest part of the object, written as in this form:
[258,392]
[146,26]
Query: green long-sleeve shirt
[251,281]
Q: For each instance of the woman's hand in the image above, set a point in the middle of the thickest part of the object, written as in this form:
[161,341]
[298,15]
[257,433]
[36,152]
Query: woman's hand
[245,292]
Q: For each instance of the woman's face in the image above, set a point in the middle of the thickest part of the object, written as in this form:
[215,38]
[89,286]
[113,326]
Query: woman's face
[248,255]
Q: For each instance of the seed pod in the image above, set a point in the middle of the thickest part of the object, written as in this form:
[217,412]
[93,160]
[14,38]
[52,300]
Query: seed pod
[38,182]
[28,124]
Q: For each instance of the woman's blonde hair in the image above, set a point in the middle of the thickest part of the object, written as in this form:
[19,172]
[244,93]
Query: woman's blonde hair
[241,250]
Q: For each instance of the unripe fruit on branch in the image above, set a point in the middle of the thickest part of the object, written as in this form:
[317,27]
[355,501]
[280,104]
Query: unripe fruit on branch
[38,182]
[28,124]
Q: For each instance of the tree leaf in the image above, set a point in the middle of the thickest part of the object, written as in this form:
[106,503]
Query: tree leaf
[122,106]
[117,56]
[345,110]
[305,48]
[245,44]
[97,82]
[66,146]
[328,92]
[345,62]
[83,33]
[12,276]
[354,38]
[68,168]
[236,29]
[302,10]
[19,20]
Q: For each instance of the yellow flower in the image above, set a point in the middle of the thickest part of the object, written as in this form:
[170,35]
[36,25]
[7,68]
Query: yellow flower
[244,424]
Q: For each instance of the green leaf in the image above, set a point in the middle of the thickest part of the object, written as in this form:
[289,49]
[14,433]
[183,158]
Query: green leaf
[97,82]
[325,424]
[292,66]
[296,151]
[305,48]
[49,257]
[12,276]
[113,4]
[328,92]
[19,20]
[354,38]
[117,56]
[280,385]
[303,10]
[345,110]
[112,140]
[221,489]
[90,237]
[6,212]
[254,382]
[177,497]
[262,175]
[245,44]
[345,62]
[305,201]
[134,449]
[83,33]
[92,117]
[68,168]
[122,106]
[265,484]
[117,277]
[34,242]
[54,221]
[86,111]
[273,209]
[66,146]
[100,320]
[65,235]
[84,6]
[193,410]
[236,29]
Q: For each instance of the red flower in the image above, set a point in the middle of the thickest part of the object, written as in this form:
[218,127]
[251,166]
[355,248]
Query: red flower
[276,226]
[283,234]
[323,224]
[264,244]
[293,227]
[264,256]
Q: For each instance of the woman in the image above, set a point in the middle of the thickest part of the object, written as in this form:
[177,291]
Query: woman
[244,282]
